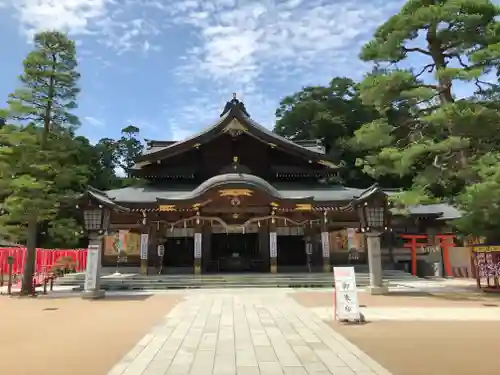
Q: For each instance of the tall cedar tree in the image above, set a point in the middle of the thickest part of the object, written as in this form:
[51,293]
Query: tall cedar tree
[129,147]
[42,108]
[444,42]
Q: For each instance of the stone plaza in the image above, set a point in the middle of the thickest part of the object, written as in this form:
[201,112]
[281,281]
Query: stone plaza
[244,333]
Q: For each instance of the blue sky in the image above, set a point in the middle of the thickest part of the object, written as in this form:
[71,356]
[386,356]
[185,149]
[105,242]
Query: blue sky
[168,66]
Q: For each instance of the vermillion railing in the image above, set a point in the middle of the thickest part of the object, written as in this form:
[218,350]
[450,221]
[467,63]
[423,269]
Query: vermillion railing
[45,259]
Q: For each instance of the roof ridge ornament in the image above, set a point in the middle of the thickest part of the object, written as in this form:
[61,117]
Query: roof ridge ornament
[236,104]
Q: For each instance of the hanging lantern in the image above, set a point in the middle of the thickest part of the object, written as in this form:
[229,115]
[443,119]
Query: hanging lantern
[258,223]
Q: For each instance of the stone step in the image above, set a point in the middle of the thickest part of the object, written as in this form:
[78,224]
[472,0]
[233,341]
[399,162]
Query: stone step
[159,282]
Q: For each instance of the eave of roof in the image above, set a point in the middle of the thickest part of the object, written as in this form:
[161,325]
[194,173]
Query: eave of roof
[254,129]
[104,199]
[150,195]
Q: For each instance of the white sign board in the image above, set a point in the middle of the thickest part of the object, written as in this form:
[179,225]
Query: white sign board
[144,245]
[346,294]
[197,245]
[273,245]
[325,244]
[91,272]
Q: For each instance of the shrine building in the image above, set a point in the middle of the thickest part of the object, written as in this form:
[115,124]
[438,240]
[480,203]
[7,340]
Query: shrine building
[237,197]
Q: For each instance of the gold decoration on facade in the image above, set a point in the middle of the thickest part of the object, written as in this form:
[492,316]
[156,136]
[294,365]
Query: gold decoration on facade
[197,145]
[234,128]
[303,207]
[168,207]
[235,192]
[274,204]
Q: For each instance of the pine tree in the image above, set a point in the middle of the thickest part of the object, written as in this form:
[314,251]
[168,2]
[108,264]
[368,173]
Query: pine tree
[37,152]
[445,42]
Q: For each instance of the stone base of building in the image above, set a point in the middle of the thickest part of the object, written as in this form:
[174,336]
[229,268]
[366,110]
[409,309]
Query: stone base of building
[93,294]
[378,290]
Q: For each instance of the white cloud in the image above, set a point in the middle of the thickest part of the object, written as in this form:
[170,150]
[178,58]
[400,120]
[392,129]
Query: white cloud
[240,44]
[93,121]
[108,20]
[73,16]
[261,49]
[256,47]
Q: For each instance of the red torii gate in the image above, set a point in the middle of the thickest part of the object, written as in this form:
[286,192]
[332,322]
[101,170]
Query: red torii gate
[445,243]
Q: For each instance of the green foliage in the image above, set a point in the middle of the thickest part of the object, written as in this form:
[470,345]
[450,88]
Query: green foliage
[128,148]
[481,201]
[48,84]
[435,140]
[36,181]
[331,114]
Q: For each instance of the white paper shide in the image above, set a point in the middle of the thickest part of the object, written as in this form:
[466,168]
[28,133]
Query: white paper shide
[346,294]
[91,272]
[197,245]
[273,245]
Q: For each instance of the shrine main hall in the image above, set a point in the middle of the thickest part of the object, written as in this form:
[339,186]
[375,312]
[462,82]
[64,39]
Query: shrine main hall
[237,197]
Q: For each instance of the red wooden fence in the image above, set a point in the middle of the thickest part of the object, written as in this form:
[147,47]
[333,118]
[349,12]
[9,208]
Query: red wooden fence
[45,258]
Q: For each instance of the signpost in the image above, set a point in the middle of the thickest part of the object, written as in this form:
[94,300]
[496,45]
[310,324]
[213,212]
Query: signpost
[346,295]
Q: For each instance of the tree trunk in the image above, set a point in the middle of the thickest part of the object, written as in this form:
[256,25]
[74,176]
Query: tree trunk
[30,259]
[434,45]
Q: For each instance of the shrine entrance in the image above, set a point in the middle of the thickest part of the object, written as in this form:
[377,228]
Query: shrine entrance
[235,252]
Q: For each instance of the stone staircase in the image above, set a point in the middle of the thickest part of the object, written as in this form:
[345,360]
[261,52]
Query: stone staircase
[249,280]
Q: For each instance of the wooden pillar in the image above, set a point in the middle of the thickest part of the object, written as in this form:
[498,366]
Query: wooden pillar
[325,247]
[207,246]
[273,248]
[198,242]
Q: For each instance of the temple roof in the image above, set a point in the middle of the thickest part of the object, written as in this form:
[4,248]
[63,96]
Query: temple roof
[149,193]
[238,121]
[152,193]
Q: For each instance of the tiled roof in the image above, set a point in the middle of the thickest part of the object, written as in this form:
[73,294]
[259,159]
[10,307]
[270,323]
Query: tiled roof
[152,193]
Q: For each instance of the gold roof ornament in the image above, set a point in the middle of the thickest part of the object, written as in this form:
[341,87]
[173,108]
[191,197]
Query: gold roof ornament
[168,208]
[235,192]
[303,207]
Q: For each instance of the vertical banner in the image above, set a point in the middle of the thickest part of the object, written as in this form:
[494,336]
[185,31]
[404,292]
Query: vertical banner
[273,245]
[346,294]
[122,240]
[144,245]
[91,272]
[351,239]
[197,245]
[325,244]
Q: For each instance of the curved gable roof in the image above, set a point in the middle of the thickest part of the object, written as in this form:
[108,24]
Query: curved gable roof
[251,127]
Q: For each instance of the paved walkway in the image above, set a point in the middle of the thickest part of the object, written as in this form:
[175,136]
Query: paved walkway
[244,333]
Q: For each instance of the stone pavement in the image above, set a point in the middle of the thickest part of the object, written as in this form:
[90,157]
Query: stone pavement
[244,333]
